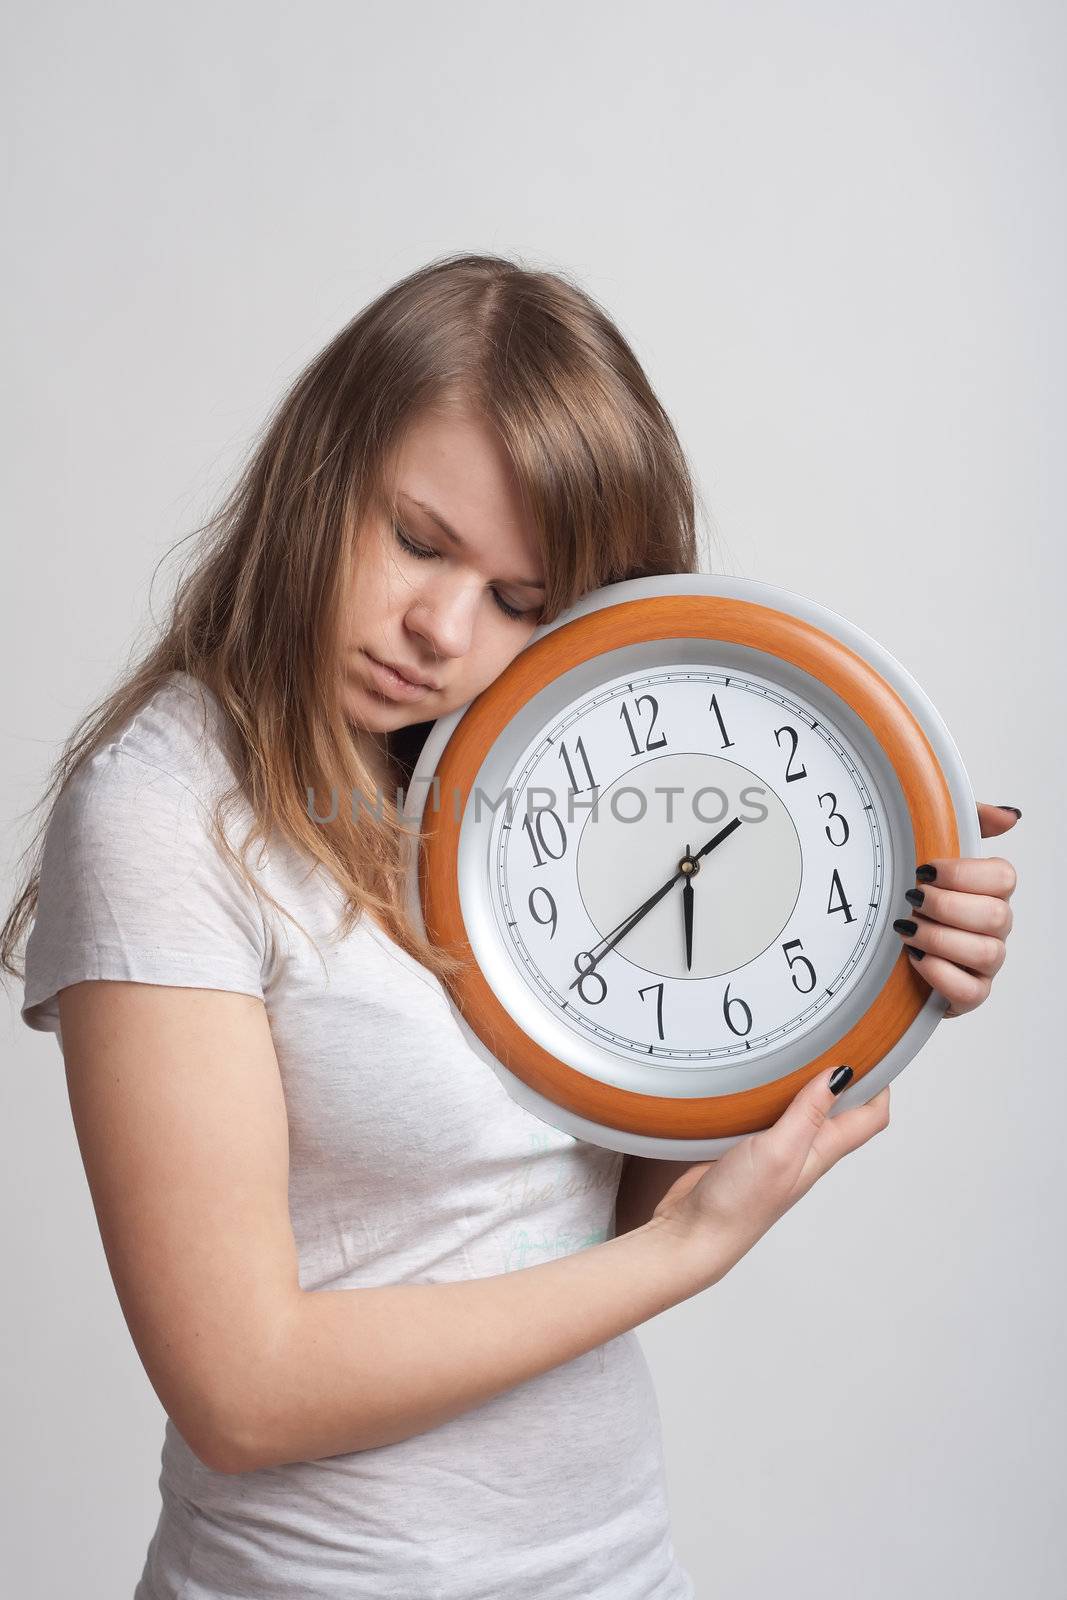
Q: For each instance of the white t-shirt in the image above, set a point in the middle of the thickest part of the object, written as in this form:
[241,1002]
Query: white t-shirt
[409,1163]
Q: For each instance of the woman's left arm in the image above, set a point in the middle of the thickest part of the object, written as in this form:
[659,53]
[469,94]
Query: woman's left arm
[958,918]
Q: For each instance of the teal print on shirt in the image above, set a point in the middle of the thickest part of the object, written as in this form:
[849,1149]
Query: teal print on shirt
[554,1174]
[521,1246]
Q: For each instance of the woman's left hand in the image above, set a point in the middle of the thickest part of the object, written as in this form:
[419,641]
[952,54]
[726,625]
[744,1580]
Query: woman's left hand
[955,933]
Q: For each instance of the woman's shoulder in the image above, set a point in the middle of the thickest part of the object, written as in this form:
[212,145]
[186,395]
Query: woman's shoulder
[175,751]
[148,795]
[132,884]
[181,729]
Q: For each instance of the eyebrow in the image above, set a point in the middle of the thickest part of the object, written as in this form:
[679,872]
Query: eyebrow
[519,583]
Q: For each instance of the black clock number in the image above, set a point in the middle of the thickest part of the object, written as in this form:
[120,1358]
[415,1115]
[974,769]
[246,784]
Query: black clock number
[659,1002]
[650,743]
[835,816]
[801,988]
[727,1007]
[589,977]
[543,921]
[565,758]
[842,903]
[790,775]
[727,742]
[538,826]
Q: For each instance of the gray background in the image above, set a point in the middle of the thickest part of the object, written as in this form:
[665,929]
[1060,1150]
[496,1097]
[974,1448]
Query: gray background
[835,235]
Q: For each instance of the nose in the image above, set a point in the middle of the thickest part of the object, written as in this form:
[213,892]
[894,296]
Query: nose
[443,617]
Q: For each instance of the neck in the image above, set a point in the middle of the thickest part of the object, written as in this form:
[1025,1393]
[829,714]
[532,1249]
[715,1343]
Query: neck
[392,757]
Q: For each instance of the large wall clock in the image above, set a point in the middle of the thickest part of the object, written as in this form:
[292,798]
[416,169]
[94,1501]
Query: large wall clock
[670,840]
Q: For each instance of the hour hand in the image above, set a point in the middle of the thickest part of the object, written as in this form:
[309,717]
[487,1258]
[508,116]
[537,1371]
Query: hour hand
[717,839]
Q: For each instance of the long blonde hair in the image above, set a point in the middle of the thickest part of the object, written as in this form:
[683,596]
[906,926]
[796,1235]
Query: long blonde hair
[256,617]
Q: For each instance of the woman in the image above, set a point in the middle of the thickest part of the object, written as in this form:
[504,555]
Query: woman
[389,1313]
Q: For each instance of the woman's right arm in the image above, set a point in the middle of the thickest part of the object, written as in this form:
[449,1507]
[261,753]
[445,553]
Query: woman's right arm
[180,1117]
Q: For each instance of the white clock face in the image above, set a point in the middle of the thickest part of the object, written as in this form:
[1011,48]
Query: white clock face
[787,846]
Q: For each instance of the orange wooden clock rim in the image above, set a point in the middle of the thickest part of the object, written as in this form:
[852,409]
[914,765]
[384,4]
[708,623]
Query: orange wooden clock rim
[711,617]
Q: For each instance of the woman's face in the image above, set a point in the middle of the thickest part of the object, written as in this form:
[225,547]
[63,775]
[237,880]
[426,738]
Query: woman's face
[439,617]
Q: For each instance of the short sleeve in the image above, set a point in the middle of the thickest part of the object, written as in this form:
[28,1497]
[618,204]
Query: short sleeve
[134,886]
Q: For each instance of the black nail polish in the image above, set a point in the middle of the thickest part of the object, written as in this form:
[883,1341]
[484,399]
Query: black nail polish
[915,897]
[913,950]
[903,925]
[926,873]
[839,1078]
[1018,813]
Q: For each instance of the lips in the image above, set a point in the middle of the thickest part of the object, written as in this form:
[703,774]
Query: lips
[394,680]
[407,673]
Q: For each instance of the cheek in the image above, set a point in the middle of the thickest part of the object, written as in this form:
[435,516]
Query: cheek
[481,666]
[511,642]
[378,592]
[396,587]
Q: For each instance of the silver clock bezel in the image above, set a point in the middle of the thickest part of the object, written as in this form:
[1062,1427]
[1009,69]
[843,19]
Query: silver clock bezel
[886,793]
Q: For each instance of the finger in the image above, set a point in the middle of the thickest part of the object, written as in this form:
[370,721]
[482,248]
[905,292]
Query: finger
[805,1134]
[977,913]
[980,952]
[971,874]
[962,988]
[847,1130]
[996,819]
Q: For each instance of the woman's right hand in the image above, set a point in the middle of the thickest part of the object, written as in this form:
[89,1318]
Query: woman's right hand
[729,1203]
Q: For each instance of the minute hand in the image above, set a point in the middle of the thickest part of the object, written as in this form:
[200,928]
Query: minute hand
[635,917]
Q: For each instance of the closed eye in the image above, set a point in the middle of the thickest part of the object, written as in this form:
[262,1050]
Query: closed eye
[423,554]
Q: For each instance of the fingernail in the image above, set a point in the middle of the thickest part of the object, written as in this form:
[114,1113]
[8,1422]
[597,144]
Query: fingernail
[913,950]
[839,1078]
[915,897]
[926,873]
[1018,813]
[902,925]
